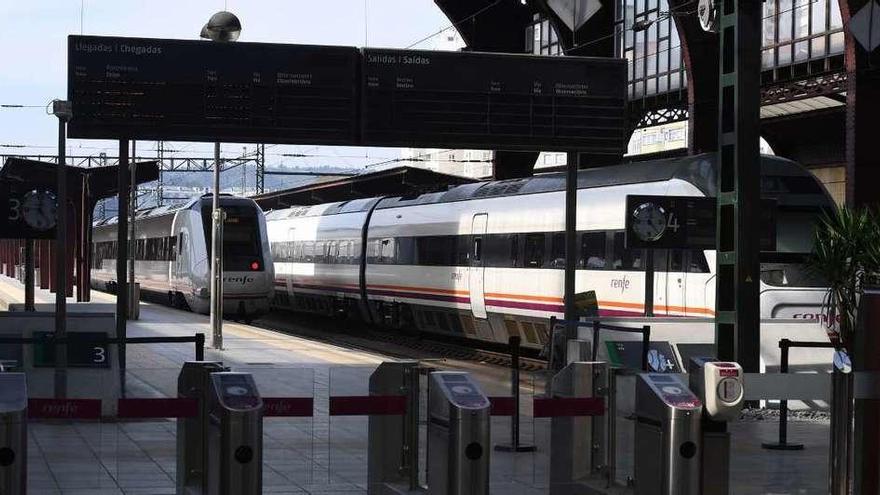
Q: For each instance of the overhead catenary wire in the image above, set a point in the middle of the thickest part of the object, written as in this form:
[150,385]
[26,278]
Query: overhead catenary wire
[455,24]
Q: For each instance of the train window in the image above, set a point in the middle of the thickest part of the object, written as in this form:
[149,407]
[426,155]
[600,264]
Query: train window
[478,249]
[676,260]
[386,251]
[405,251]
[557,250]
[308,251]
[435,250]
[514,250]
[660,260]
[697,262]
[534,250]
[593,250]
[622,258]
[460,250]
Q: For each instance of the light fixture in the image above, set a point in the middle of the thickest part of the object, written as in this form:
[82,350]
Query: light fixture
[222,26]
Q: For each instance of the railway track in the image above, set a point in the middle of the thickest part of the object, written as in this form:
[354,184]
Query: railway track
[397,344]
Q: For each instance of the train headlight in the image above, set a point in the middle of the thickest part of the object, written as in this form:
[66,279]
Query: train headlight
[255,265]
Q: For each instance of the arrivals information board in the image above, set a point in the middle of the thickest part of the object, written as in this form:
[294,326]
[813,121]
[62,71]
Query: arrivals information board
[184,90]
[495,101]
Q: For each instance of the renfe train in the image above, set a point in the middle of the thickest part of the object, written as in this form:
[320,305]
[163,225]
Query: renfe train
[172,253]
[486,260]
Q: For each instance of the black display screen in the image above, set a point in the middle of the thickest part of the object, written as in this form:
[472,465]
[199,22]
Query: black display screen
[691,222]
[482,100]
[87,354]
[158,89]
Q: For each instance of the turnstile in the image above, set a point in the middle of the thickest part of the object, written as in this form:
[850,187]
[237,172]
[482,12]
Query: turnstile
[458,435]
[194,383]
[578,451]
[235,435]
[393,456]
[668,444]
[13,433]
[719,385]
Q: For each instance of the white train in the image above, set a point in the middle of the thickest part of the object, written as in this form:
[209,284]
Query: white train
[173,246]
[485,260]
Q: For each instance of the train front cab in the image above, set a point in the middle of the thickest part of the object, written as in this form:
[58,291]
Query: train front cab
[248,273]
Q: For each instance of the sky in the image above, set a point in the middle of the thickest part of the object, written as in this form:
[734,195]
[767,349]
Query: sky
[33,55]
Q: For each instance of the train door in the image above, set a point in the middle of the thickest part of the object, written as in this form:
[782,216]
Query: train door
[477,265]
[676,283]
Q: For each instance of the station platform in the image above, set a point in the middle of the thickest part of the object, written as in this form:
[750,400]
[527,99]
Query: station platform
[320,451]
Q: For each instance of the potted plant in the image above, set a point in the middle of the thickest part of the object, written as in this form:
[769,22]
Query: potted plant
[846,254]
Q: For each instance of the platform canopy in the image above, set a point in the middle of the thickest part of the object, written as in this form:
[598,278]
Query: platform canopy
[102,181]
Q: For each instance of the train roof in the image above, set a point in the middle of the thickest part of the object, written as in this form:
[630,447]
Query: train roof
[780,176]
[158,211]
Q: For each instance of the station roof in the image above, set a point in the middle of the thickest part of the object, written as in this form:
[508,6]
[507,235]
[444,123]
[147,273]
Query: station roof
[398,181]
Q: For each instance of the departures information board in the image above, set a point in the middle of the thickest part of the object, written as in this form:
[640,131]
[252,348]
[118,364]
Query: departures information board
[494,101]
[182,90]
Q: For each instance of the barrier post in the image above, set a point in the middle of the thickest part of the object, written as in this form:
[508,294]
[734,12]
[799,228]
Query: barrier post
[514,341]
[200,347]
[783,444]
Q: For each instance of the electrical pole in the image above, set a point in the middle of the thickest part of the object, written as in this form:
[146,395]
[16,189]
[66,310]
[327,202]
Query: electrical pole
[216,257]
[64,111]
[132,294]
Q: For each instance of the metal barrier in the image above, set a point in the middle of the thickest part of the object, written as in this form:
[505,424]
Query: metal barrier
[13,433]
[577,350]
[515,446]
[577,453]
[458,435]
[668,436]
[719,385]
[393,457]
[235,435]
[192,451]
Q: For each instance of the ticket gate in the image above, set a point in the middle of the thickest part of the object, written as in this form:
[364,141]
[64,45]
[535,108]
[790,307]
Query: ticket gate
[13,433]
[235,435]
[719,386]
[458,435]
[192,434]
[393,456]
[578,455]
[668,445]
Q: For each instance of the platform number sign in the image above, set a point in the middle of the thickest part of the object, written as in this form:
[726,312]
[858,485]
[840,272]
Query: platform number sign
[86,354]
[28,214]
[684,222]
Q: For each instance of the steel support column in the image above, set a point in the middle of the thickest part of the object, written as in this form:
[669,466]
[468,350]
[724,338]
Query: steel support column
[45,264]
[571,178]
[122,255]
[29,275]
[61,262]
[862,106]
[737,305]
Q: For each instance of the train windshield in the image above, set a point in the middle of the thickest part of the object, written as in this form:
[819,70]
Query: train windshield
[241,237]
[788,265]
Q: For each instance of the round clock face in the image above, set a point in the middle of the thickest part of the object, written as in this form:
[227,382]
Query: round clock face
[39,210]
[649,222]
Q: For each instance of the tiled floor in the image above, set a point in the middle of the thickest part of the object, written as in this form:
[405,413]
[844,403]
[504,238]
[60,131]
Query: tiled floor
[324,455]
